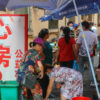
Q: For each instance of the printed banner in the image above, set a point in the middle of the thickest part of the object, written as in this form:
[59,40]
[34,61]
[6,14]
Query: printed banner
[13,44]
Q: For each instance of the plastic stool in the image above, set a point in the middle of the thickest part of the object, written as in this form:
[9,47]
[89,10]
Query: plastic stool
[81,98]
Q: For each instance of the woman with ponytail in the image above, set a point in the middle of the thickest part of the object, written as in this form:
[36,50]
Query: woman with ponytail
[66,50]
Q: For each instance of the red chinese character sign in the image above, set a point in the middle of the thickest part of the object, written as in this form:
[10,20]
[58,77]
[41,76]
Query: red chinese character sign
[13,44]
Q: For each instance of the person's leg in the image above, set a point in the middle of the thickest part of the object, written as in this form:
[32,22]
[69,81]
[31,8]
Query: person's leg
[90,71]
[81,64]
[24,92]
[44,84]
[62,97]
[36,93]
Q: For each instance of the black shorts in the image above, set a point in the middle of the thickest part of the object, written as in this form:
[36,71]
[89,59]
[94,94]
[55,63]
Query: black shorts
[68,64]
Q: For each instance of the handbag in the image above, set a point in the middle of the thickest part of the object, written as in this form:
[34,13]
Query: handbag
[30,80]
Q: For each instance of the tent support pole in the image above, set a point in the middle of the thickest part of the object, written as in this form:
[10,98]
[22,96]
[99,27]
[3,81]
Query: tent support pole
[98,9]
[90,61]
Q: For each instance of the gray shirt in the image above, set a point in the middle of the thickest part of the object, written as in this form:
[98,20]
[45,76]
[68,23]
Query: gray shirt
[91,40]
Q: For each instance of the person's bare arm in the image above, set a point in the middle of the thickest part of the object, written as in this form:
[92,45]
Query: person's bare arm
[57,55]
[50,86]
[39,63]
[95,46]
[42,55]
[76,50]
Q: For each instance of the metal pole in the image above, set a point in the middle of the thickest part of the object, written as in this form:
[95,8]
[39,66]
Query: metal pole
[93,73]
[98,9]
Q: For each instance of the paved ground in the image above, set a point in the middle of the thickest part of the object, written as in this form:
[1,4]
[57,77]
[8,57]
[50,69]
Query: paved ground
[88,91]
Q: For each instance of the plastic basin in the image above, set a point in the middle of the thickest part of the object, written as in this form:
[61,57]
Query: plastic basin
[81,98]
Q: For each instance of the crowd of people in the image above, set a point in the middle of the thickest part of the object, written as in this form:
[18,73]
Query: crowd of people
[38,71]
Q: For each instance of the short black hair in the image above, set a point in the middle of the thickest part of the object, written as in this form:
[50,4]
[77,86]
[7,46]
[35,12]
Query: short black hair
[43,33]
[32,44]
[48,67]
[70,22]
[86,24]
[91,23]
[62,27]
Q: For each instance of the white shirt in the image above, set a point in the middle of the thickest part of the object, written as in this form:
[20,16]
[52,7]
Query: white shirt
[94,29]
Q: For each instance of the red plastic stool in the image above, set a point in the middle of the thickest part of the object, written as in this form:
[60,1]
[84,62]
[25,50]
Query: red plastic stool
[81,98]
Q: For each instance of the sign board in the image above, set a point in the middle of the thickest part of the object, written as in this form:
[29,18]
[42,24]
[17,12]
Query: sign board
[13,44]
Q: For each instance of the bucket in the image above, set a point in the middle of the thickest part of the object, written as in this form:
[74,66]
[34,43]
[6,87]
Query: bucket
[9,90]
[81,98]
